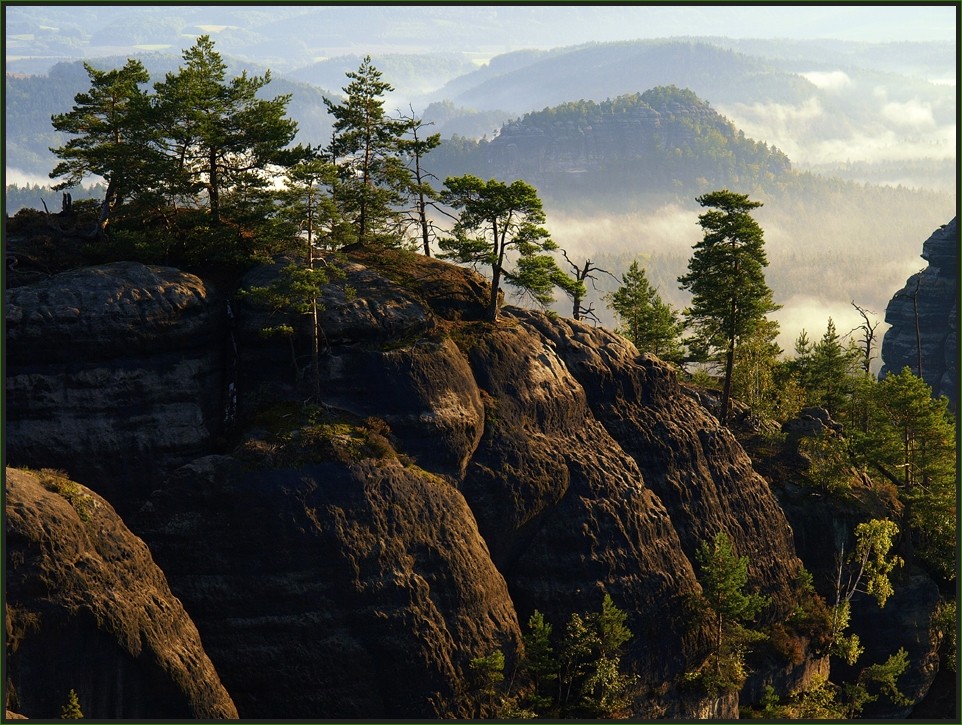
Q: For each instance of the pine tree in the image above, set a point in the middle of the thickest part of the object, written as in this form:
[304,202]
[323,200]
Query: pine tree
[723,576]
[541,664]
[487,674]
[726,278]
[219,136]
[113,136]
[366,149]
[651,324]
[910,440]
[832,369]
[498,223]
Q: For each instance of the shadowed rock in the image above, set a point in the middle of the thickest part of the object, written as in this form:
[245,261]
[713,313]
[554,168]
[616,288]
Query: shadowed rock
[114,374]
[926,311]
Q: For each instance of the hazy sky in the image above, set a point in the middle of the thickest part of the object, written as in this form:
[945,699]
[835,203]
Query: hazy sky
[552,25]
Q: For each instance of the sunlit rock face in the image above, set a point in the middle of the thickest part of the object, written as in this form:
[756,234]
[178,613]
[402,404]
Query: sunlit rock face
[88,610]
[924,317]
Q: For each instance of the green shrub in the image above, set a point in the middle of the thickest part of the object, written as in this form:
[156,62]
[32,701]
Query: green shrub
[58,482]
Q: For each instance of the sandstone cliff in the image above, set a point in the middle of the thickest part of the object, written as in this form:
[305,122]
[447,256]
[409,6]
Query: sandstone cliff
[114,373]
[924,317]
[351,558]
[88,610]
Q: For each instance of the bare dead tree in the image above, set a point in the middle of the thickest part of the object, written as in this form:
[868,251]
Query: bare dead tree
[915,312]
[867,329]
[581,273]
[48,219]
[424,195]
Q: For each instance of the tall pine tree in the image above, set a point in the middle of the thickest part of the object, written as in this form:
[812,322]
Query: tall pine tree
[366,150]
[113,135]
[219,135]
[727,281]
[499,224]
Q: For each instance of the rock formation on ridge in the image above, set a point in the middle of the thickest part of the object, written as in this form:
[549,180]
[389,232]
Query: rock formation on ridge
[926,311]
[455,477]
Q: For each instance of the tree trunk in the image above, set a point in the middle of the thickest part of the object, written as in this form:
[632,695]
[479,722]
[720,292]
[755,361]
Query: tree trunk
[727,387]
[316,328]
[492,312]
[424,225]
[213,189]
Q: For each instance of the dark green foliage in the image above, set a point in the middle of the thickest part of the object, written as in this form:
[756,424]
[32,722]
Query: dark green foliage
[910,439]
[71,710]
[576,673]
[365,149]
[187,167]
[218,133]
[664,138]
[306,205]
[114,136]
[487,673]
[651,324]
[727,281]
[540,663]
[826,370]
[499,224]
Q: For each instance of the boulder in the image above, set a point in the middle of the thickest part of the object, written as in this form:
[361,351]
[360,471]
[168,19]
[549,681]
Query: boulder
[357,590]
[87,609]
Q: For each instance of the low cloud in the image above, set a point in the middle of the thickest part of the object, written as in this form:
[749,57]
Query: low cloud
[835,80]
[780,124]
[881,144]
[670,228]
[913,114]
[22,178]
[903,131]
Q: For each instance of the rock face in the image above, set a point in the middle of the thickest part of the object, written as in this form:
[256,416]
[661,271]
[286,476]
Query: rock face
[88,610]
[351,558]
[114,373]
[355,591]
[926,310]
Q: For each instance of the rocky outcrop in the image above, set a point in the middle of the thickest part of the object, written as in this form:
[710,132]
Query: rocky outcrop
[114,374]
[351,557]
[924,318]
[355,591]
[87,609]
